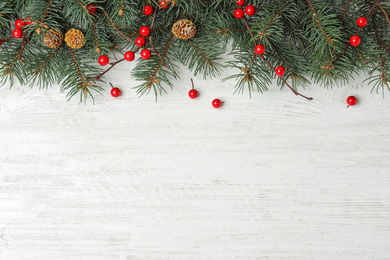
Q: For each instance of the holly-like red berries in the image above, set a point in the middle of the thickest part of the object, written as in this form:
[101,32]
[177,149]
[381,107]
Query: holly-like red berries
[240,2]
[103,60]
[116,92]
[17,33]
[129,56]
[355,41]
[280,71]
[144,31]
[362,22]
[146,54]
[351,101]
[140,41]
[91,9]
[216,103]
[193,93]
[250,10]
[260,49]
[239,13]
[147,10]
[164,4]
[19,23]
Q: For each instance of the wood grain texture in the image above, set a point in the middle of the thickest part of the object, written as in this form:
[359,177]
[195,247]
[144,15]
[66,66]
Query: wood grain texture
[271,177]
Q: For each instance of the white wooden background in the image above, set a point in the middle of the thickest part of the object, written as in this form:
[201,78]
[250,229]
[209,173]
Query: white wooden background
[272,177]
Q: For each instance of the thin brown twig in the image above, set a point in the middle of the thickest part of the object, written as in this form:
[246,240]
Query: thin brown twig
[151,40]
[103,73]
[384,12]
[112,22]
[96,37]
[275,16]
[83,84]
[201,53]
[345,12]
[328,39]
[47,61]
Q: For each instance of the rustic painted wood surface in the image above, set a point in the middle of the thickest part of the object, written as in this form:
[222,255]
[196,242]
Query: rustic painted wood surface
[272,177]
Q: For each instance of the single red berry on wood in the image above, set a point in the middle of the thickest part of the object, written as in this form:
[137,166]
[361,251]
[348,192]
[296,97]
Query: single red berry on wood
[362,22]
[129,56]
[260,49]
[147,10]
[351,101]
[355,41]
[19,23]
[140,41]
[17,33]
[116,92]
[250,10]
[240,2]
[193,93]
[144,31]
[103,60]
[280,71]
[146,54]
[239,13]
[217,103]
[164,4]
[1,42]
[91,9]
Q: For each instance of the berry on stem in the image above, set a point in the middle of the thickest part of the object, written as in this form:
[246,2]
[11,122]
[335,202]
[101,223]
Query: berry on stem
[17,33]
[351,101]
[280,71]
[140,41]
[193,93]
[240,2]
[355,41]
[250,10]
[164,4]
[144,31]
[103,60]
[91,9]
[217,103]
[147,10]
[19,23]
[260,49]
[28,20]
[146,54]
[115,92]
[362,22]
[129,56]
[239,13]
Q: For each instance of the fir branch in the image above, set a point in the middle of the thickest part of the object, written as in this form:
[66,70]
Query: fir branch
[112,22]
[328,39]
[83,84]
[384,12]
[279,13]
[46,62]
[204,56]
[151,38]
[345,12]
[104,72]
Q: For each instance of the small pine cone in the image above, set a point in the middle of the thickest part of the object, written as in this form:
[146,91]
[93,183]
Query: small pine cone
[74,38]
[53,38]
[184,29]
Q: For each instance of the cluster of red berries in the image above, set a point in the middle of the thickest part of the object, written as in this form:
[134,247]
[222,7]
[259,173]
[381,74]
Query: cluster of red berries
[148,10]
[19,24]
[355,40]
[239,12]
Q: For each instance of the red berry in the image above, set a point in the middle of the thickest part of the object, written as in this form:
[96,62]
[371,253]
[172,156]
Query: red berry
[280,71]
[250,10]
[240,2]
[1,42]
[116,92]
[103,60]
[17,33]
[239,13]
[146,54]
[260,49]
[193,93]
[217,103]
[362,22]
[19,23]
[164,4]
[148,10]
[140,41]
[28,20]
[355,41]
[91,9]
[144,31]
[351,101]
[129,56]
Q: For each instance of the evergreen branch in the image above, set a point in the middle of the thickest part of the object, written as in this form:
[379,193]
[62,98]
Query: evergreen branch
[20,54]
[328,39]
[384,12]
[103,73]
[151,40]
[345,12]
[83,84]
[96,37]
[47,11]
[153,78]
[204,56]
[279,13]
[46,62]
[112,22]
